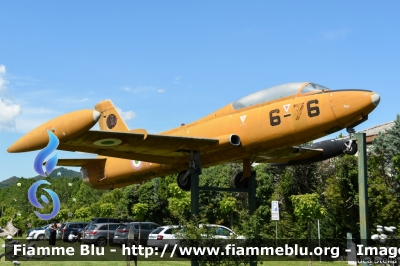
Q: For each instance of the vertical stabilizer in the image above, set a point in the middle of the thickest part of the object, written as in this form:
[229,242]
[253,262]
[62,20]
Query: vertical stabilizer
[110,119]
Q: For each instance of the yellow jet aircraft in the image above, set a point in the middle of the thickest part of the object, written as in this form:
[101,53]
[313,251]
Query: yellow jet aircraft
[266,126]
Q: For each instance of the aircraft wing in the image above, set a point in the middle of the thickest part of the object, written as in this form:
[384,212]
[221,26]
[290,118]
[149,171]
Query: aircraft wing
[162,149]
[316,152]
[79,162]
[289,154]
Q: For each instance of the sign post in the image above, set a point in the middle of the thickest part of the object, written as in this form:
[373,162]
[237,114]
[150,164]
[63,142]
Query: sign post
[275,211]
[275,217]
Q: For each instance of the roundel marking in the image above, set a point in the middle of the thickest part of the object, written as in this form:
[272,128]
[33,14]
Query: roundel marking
[107,142]
[111,121]
[136,164]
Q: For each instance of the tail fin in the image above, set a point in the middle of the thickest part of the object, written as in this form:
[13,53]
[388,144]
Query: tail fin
[110,119]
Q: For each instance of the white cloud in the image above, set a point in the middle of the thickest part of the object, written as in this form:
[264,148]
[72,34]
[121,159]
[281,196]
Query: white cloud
[177,80]
[335,34]
[3,81]
[137,90]
[126,88]
[32,117]
[8,112]
[142,90]
[8,109]
[18,116]
[36,111]
[71,99]
[126,115]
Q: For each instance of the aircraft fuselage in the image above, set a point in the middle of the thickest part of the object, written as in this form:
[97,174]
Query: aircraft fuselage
[263,128]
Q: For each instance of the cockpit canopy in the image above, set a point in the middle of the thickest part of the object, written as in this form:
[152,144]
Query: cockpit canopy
[277,92]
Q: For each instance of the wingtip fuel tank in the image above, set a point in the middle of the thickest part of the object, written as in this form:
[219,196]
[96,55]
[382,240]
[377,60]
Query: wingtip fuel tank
[64,127]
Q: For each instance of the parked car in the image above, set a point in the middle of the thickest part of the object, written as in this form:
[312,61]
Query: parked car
[220,232]
[168,234]
[38,233]
[100,233]
[163,235]
[68,227]
[121,234]
[33,229]
[84,229]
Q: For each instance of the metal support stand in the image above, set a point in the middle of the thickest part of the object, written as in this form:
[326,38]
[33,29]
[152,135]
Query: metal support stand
[319,240]
[252,194]
[252,201]
[276,237]
[195,171]
[194,192]
[363,189]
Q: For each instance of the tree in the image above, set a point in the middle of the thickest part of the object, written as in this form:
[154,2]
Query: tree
[153,193]
[396,165]
[179,202]
[139,212]
[340,196]
[228,205]
[307,209]
[267,180]
[85,195]
[83,213]
[387,145]
[62,215]
[107,210]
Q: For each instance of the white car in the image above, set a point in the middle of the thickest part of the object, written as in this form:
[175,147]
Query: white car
[168,234]
[163,235]
[38,234]
[219,232]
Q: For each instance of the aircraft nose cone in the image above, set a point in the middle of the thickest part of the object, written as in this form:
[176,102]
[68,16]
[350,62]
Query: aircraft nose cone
[375,98]
[96,115]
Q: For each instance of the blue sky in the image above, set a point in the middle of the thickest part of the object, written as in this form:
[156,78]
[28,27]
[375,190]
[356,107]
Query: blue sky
[164,63]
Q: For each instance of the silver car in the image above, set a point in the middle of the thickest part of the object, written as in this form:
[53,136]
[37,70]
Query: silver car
[99,234]
[121,234]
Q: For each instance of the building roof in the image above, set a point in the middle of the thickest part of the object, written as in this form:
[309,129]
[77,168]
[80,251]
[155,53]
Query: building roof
[372,132]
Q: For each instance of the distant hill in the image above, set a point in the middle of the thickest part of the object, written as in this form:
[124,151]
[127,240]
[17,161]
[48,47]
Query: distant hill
[9,182]
[58,172]
[62,172]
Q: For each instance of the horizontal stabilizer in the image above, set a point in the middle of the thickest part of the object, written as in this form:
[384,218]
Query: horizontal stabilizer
[80,162]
